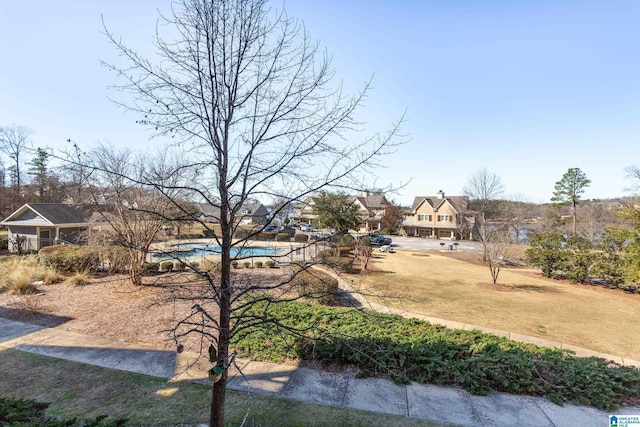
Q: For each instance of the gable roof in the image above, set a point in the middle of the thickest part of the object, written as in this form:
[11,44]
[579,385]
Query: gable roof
[373,201]
[459,203]
[249,209]
[51,214]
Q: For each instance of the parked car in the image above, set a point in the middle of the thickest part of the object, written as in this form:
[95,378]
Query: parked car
[271,227]
[377,239]
[306,227]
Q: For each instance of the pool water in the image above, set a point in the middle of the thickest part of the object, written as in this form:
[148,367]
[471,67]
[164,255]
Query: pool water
[185,250]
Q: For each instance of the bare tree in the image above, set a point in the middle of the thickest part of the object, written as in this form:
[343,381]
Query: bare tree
[633,172]
[14,140]
[392,217]
[484,189]
[496,243]
[245,92]
[135,196]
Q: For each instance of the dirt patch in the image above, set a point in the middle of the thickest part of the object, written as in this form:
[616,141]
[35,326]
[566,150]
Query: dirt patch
[110,307]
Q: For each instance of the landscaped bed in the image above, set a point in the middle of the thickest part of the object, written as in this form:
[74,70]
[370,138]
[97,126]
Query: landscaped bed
[402,349]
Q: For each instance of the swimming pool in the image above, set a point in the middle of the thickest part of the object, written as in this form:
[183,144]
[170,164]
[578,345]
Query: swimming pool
[185,250]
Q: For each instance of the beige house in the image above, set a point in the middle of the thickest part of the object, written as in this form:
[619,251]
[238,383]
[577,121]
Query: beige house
[440,217]
[371,205]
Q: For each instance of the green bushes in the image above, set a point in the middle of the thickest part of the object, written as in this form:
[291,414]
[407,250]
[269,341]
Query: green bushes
[301,238]
[283,237]
[151,267]
[116,258]
[4,243]
[70,258]
[166,266]
[316,286]
[414,350]
[270,264]
[240,233]
[258,264]
[267,236]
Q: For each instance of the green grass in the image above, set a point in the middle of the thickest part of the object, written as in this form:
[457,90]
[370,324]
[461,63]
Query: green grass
[75,390]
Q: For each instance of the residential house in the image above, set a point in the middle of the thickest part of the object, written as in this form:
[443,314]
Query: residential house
[440,217]
[36,225]
[249,213]
[372,206]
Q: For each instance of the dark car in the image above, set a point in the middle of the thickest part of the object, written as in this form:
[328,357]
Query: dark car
[377,239]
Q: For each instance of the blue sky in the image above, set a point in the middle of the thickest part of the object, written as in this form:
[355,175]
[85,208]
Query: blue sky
[526,89]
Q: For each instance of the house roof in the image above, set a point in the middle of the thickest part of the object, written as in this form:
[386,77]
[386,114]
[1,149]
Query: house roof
[253,209]
[373,201]
[459,203]
[51,214]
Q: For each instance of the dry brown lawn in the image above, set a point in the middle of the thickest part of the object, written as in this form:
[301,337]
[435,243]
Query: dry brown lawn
[523,301]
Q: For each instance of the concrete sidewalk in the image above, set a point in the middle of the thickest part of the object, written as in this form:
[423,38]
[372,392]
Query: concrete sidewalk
[429,402]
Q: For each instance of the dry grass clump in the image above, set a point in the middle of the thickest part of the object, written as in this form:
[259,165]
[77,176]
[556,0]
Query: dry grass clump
[20,273]
[79,278]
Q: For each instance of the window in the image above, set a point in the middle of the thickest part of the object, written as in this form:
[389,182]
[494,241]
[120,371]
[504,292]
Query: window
[444,218]
[424,217]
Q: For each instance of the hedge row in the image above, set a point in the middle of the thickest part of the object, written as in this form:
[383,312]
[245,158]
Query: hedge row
[70,258]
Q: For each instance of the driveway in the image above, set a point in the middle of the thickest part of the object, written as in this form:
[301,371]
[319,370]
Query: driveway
[421,244]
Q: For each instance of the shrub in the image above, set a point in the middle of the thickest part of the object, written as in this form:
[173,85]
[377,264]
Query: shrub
[301,238]
[207,233]
[70,258]
[315,286]
[180,266]
[258,264]
[116,257]
[4,243]
[151,267]
[194,265]
[267,236]
[347,241]
[241,233]
[546,253]
[234,264]
[246,264]
[283,237]
[19,273]
[270,264]
[78,278]
[344,264]
[166,266]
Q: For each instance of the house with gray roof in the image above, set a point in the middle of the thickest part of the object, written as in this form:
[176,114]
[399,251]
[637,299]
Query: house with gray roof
[249,213]
[36,225]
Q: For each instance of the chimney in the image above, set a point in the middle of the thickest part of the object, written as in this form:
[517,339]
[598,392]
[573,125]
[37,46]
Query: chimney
[440,194]
[365,193]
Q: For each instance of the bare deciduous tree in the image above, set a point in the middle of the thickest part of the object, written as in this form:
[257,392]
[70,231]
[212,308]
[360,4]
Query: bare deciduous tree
[245,92]
[484,189]
[14,140]
[496,243]
[135,196]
